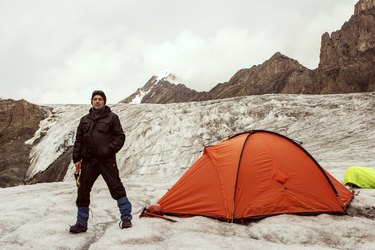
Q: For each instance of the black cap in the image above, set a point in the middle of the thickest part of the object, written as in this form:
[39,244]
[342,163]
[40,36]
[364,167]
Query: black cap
[99,92]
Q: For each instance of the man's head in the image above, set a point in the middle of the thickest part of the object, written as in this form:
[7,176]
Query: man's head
[98,99]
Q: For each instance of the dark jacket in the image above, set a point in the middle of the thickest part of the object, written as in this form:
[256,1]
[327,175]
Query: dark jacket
[99,136]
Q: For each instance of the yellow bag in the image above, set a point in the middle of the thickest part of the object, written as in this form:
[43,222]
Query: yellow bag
[362,177]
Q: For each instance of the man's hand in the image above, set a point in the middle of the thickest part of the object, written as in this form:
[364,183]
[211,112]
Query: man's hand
[78,166]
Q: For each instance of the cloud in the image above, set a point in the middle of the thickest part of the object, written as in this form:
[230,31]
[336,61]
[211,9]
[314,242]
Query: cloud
[204,61]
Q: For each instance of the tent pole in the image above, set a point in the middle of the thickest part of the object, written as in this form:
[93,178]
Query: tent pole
[238,170]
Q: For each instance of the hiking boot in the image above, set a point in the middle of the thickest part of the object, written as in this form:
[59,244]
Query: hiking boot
[77,228]
[125,224]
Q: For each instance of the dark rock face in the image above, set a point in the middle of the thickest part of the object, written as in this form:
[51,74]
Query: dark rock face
[56,171]
[363,5]
[166,92]
[347,63]
[347,57]
[18,122]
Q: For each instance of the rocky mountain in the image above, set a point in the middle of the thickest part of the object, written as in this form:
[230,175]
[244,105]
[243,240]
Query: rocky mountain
[347,56]
[161,89]
[18,123]
[347,63]
[279,74]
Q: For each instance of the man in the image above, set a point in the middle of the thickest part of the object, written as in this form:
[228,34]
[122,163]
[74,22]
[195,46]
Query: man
[99,137]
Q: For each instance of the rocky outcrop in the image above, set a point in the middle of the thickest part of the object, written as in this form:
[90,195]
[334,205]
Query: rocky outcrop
[363,5]
[279,74]
[18,123]
[56,171]
[347,56]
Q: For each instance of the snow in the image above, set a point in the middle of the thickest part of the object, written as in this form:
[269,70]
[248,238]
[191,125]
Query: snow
[138,98]
[38,217]
[162,142]
[162,74]
[165,75]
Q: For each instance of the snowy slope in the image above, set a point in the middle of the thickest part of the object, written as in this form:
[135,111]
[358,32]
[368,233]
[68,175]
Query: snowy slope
[162,142]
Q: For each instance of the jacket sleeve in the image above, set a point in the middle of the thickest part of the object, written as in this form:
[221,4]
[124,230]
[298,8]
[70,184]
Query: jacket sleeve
[77,148]
[118,138]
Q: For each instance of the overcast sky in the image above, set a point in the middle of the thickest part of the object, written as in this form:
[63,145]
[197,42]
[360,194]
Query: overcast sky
[60,51]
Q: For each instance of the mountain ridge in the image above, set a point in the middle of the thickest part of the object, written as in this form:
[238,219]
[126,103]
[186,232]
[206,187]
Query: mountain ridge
[346,65]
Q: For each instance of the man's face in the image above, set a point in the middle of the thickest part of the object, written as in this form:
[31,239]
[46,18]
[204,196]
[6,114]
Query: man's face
[97,102]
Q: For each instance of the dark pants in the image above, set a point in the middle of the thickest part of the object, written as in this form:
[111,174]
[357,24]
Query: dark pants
[90,171]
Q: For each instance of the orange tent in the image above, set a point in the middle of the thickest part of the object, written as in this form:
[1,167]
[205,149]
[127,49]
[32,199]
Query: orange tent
[255,174]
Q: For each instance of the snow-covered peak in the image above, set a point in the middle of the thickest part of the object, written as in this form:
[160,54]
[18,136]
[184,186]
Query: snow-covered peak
[165,75]
[162,74]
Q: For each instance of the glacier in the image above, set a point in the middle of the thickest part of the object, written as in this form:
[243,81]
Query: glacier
[162,141]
